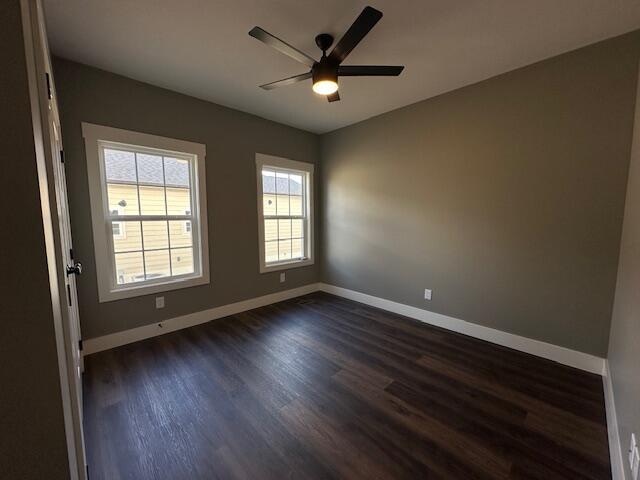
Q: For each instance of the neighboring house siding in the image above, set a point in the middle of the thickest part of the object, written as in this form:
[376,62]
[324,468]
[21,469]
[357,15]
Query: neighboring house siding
[123,199]
[278,234]
[282,205]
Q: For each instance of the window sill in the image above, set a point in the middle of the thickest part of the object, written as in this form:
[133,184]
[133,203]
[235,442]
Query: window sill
[286,265]
[141,290]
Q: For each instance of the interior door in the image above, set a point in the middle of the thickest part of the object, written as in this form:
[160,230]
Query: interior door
[72,269]
[68,267]
[68,263]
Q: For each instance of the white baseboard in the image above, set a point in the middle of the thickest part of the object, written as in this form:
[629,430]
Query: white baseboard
[565,356]
[615,449]
[98,344]
[562,355]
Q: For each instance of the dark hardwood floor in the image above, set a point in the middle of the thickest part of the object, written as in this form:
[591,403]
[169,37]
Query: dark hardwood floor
[319,387]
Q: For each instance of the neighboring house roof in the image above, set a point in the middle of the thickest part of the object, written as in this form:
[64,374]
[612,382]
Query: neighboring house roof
[291,185]
[176,172]
[120,166]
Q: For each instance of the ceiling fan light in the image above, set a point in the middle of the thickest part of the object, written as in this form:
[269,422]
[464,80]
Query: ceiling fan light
[325,87]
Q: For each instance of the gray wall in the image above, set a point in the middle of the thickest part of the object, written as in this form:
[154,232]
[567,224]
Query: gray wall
[232,139]
[505,197]
[32,439]
[624,344]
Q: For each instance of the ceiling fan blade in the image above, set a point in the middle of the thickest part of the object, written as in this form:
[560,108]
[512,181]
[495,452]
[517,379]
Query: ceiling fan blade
[365,22]
[286,81]
[281,46]
[369,70]
[334,97]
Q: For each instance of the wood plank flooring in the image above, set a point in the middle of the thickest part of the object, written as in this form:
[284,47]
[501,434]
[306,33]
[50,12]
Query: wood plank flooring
[319,387]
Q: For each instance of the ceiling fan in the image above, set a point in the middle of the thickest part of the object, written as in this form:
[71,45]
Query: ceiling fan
[325,73]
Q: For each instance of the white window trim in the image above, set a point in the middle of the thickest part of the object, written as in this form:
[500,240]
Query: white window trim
[263,160]
[107,289]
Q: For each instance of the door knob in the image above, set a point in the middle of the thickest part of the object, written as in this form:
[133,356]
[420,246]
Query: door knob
[75,269]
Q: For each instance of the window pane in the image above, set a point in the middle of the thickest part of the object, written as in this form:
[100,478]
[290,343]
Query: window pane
[157,264]
[178,201]
[296,205]
[150,169]
[282,204]
[284,249]
[270,230]
[129,268]
[296,248]
[152,200]
[269,204]
[295,184]
[268,181]
[155,235]
[123,199]
[181,261]
[297,228]
[282,183]
[119,166]
[180,233]
[284,229]
[271,251]
[176,172]
[126,236]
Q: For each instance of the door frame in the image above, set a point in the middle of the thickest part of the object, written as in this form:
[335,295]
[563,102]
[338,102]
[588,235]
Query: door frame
[32,26]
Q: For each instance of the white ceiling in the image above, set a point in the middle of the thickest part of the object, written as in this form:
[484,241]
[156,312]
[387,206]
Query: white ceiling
[201,47]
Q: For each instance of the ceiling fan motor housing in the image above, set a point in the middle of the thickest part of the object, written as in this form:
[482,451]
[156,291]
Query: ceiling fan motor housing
[325,69]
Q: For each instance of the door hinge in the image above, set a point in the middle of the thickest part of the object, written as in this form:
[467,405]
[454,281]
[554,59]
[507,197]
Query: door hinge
[62,156]
[87,467]
[71,253]
[80,344]
[48,86]
[69,293]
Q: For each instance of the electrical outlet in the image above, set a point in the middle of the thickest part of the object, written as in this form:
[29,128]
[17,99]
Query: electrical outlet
[427,294]
[283,277]
[159,302]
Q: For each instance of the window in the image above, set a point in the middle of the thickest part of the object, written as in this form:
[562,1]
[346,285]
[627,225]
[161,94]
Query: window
[148,208]
[285,211]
